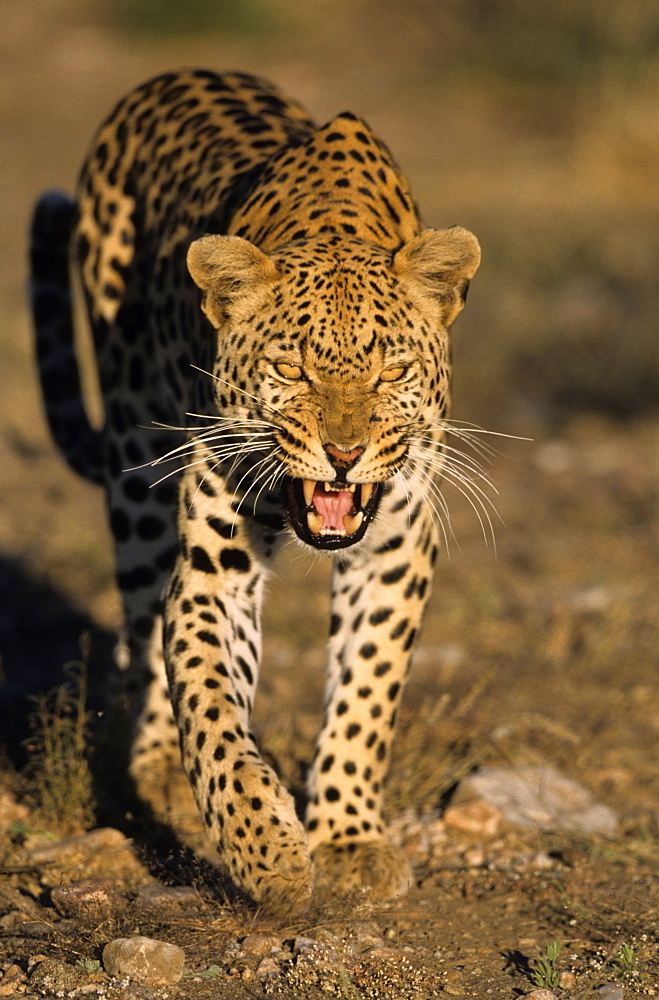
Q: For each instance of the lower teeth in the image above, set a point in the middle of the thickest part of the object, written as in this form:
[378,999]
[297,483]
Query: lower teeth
[315,523]
[353,523]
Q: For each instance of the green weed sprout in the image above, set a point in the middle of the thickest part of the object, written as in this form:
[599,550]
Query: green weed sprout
[545,974]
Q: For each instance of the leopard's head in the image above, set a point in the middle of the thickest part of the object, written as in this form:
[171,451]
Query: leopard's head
[335,354]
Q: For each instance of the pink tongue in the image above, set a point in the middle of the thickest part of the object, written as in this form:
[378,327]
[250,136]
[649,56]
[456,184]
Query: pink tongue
[332,506]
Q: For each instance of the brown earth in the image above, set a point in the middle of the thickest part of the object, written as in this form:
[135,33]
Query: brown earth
[542,650]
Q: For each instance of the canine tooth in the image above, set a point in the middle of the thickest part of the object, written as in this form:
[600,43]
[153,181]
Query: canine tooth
[308,486]
[315,522]
[352,523]
[367,490]
[328,487]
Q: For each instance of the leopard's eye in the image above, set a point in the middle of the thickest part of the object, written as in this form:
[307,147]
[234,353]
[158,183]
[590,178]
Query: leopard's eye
[293,373]
[393,374]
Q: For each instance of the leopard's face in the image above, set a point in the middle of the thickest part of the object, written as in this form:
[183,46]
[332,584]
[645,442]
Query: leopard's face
[335,356]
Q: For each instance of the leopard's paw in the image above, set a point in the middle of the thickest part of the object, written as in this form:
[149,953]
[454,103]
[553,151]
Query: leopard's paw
[262,842]
[373,864]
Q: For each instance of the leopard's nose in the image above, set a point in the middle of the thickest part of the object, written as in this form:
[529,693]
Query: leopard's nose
[343,460]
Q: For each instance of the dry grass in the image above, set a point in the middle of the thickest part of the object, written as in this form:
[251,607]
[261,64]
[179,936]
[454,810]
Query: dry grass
[58,768]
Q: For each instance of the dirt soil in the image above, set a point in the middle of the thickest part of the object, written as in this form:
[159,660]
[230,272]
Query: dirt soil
[541,643]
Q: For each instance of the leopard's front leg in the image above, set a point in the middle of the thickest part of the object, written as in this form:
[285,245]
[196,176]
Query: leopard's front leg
[378,599]
[212,650]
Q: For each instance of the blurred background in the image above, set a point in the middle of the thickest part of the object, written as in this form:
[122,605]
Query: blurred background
[537,127]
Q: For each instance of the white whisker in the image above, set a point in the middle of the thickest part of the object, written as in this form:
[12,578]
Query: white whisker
[435,514]
[218,450]
[272,464]
[175,472]
[242,392]
[247,421]
[476,501]
[464,461]
[269,484]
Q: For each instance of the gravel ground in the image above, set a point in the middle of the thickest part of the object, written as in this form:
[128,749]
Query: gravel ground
[539,657]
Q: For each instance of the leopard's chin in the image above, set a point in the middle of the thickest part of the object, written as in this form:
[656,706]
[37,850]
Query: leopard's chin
[332,515]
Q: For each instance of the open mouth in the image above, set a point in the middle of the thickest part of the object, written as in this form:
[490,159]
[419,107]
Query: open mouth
[331,515]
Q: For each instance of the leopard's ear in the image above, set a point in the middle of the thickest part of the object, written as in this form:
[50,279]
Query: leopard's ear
[227,268]
[441,263]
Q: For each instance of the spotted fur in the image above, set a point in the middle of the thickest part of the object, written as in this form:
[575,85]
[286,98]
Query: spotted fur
[263,293]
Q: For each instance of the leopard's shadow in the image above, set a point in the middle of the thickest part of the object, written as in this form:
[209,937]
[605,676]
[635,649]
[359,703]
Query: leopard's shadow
[41,632]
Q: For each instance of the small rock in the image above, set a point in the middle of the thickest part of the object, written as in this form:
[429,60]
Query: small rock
[541,798]
[453,983]
[75,848]
[11,979]
[474,857]
[542,861]
[478,817]
[260,944]
[267,967]
[610,991]
[91,898]
[540,995]
[34,960]
[167,897]
[383,951]
[567,980]
[105,850]
[153,963]
[8,921]
[56,978]
[25,925]
[365,940]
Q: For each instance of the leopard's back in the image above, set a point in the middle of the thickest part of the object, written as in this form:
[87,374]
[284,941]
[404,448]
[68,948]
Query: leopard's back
[166,165]
[173,160]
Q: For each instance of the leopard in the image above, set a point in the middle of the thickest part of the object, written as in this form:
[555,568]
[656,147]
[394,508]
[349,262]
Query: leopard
[270,324]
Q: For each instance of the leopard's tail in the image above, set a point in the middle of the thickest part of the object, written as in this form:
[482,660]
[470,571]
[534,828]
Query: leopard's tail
[52,310]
